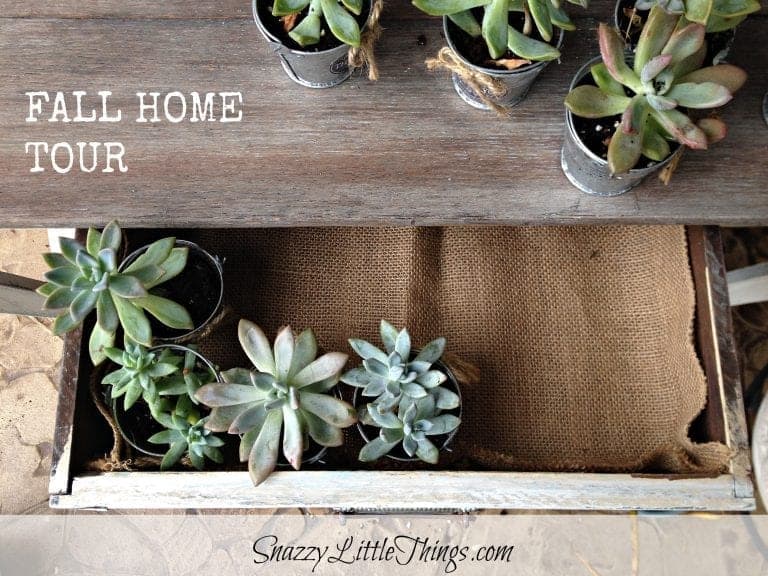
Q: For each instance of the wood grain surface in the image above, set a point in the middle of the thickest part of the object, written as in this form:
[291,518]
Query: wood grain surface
[404,150]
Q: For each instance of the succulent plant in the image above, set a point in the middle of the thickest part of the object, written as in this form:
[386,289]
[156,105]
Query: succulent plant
[716,15]
[84,278]
[411,426]
[339,15]
[193,439]
[140,374]
[393,378]
[495,29]
[652,93]
[288,391]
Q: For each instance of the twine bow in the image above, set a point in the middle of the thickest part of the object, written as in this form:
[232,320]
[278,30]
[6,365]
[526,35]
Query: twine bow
[486,87]
[363,55]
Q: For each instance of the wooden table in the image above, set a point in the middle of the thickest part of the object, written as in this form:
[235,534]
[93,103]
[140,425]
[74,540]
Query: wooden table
[404,150]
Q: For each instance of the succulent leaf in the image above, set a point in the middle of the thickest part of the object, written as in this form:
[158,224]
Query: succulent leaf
[698,10]
[216,395]
[321,432]
[714,128]
[624,151]
[376,449]
[446,7]
[166,311]
[332,410]
[308,31]
[494,28]
[284,345]
[681,128]
[305,350]
[702,95]
[256,346]
[655,146]
[656,32]
[249,419]
[467,22]
[341,23]
[591,102]
[684,42]
[612,51]
[133,321]
[427,451]
[530,48]
[726,75]
[293,437]
[263,456]
[540,11]
[327,366]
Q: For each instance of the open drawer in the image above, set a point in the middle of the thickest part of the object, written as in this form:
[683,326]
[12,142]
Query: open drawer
[343,485]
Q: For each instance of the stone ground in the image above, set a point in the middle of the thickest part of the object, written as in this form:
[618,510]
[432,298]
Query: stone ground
[30,358]
[29,363]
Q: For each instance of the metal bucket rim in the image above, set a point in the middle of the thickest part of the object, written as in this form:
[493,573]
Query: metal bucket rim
[494,71]
[272,38]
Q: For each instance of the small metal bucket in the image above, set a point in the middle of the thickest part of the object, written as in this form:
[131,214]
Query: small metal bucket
[517,82]
[323,69]
[590,173]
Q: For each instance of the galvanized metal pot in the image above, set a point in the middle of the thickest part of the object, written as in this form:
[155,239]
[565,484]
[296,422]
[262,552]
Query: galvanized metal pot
[517,82]
[323,69]
[586,170]
[213,268]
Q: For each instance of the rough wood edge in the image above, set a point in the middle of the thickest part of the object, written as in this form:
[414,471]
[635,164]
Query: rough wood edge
[372,491]
[727,365]
[65,410]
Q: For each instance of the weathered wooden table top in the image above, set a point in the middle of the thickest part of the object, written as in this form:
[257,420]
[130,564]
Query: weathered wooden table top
[403,150]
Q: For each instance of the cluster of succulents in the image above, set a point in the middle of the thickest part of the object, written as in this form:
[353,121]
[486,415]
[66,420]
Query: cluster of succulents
[715,15]
[87,278]
[409,399]
[190,438]
[166,380]
[652,92]
[544,15]
[339,15]
[288,392]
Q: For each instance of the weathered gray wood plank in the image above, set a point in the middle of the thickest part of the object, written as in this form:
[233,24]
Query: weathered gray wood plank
[404,150]
[17,296]
[372,491]
[137,9]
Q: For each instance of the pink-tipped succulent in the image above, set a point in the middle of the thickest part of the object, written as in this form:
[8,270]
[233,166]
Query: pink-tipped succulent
[288,391]
[652,93]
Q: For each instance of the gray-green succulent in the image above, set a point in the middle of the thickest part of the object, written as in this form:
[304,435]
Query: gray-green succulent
[652,93]
[393,377]
[410,426]
[338,15]
[190,438]
[499,36]
[84,278]
[716,15]
[141,373]
[288,392]
[408,396]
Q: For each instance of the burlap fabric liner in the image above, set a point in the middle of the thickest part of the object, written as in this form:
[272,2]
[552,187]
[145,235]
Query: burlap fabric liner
[583,335]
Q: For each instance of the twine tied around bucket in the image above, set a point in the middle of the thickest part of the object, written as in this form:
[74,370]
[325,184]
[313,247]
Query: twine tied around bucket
[359,56]
[482,84]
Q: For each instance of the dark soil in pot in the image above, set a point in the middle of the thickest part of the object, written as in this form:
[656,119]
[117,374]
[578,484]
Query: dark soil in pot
[475,50]
[136,425]
[630,28]
[442,441]
[596,133]
[276,26]
[198,288]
